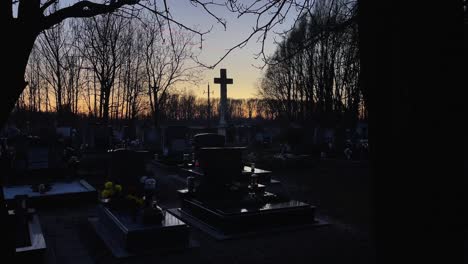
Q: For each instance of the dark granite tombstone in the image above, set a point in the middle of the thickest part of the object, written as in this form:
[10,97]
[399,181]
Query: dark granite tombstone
[102,137]
[175,144]
[208,140]
[212,161]
[231,206]
[127,166]
[126,235]
[205,140]
[37,154]
[129,229]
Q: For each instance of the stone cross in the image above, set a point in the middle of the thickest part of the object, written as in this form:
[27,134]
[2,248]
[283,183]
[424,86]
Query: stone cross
[223,81]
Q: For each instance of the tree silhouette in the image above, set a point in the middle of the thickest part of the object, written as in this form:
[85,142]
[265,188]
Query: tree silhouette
[33,17]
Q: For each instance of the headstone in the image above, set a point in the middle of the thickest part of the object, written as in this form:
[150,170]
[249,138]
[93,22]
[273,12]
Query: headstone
[175,143]
[206,140]
[127,166]
[102,136]
[220,166]
[231,206]
[37,154]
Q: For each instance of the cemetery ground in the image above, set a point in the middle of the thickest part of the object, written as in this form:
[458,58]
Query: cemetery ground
[340,192]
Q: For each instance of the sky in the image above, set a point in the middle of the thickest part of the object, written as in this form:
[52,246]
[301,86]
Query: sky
[241,64]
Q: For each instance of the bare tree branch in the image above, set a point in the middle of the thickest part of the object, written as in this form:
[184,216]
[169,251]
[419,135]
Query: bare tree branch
[84,9]
[47,4]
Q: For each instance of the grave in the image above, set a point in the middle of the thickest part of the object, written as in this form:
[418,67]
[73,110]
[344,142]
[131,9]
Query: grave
[37,154]
[130,221]
[226,203]
[100,137]
[127,166]
[175,144]
[55,194]
[126,235]
[203,140]
[29,239]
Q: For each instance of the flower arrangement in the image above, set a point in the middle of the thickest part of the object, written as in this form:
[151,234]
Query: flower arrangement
[41,188]
[134,201]
[111,190]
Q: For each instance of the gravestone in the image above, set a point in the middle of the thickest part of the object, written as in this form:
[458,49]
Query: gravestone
[131,230]
[175,144]
[213,161]
[232,206]
[101,137]
[127,166]
[37,154]
[206,140]
[210,140]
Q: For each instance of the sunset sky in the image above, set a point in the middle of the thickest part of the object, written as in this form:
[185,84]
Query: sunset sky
[240,63]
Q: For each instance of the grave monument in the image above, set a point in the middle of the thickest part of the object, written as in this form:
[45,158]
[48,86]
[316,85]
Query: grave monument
[232,203]
[130,220]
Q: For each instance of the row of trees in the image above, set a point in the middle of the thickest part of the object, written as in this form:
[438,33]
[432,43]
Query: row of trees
[189,107]
[121,65]
[314,72]
[111,66]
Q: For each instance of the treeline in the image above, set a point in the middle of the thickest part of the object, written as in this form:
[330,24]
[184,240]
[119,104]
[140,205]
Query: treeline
[113,66]
[314,72]
[188,107]
[124,65]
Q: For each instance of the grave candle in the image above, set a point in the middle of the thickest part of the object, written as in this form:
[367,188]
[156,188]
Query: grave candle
[190,184]
[252,167]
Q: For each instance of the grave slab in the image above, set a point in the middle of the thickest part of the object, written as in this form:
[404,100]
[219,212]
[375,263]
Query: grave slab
[32,247]
[125,237]
[60,194]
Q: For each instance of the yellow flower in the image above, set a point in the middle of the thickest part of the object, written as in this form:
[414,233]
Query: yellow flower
[105,193]
[118,188]
[139,202]
[108,185]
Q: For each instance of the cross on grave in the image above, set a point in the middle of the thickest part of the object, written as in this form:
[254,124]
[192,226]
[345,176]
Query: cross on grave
[223,81]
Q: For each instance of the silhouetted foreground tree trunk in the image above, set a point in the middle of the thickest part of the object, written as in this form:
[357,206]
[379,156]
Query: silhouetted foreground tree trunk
[31,19]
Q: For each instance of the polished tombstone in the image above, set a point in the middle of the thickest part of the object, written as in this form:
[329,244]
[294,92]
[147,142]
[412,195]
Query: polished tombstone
[55,194]
[129,229]
[231,205]
[175,144]
[127,235]
[127,166]
[29,239]
[204,140]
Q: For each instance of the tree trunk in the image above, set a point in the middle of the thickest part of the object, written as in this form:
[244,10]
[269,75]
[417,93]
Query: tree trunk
[14,60]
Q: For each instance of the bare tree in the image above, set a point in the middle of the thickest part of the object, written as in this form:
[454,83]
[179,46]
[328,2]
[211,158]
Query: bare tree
[166,64]
[318,81]
[53,49]
[33,76]
[103,47]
